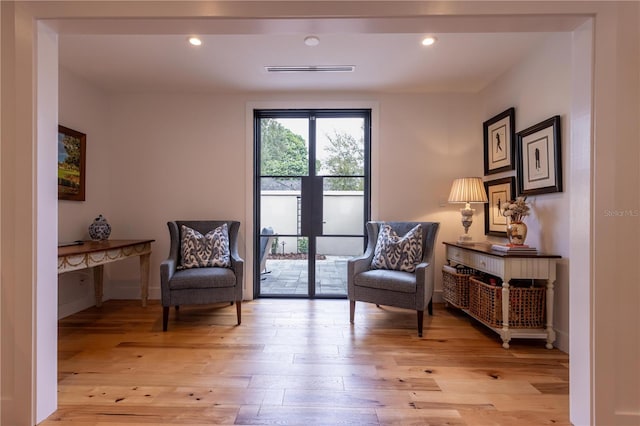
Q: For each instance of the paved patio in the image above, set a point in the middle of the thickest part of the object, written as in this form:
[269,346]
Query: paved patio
[290,277]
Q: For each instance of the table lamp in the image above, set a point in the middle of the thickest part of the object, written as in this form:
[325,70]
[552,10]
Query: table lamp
[467,190]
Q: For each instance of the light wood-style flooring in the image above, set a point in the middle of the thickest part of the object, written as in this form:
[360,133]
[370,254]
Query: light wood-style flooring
[300,362]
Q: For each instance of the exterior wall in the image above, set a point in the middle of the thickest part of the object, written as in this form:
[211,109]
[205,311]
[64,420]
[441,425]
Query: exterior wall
[342,215]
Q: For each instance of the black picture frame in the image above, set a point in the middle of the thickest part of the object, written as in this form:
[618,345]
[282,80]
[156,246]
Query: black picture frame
[540,158]
[498,191]
[71,164]
[499,142]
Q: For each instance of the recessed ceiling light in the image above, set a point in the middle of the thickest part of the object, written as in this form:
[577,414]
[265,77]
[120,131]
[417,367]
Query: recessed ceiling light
[311,40]
[195,41]
[428,41]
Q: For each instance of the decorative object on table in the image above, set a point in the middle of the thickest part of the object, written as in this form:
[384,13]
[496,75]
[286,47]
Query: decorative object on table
[539,158]
[514,249]
[499,191]
[467,190]
[499,137]
[515,211]
[99,229]
[71,164]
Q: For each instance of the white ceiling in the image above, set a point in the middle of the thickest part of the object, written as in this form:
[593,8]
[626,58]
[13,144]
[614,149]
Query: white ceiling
[127,56]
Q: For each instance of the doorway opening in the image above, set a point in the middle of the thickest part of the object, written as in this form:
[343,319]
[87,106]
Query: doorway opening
[311,198]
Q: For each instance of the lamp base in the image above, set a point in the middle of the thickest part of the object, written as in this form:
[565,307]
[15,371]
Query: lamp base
[465,239]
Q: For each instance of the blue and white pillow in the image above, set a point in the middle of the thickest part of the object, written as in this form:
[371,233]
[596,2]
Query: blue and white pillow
[398,253]
[202,251]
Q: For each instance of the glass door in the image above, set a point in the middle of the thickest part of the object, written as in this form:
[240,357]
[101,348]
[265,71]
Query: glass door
[311,198]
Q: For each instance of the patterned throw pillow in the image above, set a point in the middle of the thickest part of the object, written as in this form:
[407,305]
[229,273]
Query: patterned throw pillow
[201,251]
[398,253]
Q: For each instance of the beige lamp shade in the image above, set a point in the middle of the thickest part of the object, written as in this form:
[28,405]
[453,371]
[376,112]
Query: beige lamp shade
[468,190]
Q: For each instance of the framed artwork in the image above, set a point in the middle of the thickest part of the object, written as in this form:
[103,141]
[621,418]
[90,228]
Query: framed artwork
[71,164]
[498,192]
[539,158]
[499,139]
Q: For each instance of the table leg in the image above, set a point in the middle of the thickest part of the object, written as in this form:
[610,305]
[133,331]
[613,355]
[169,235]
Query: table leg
[97,283]
[551,334]
[144,277]
[505,333]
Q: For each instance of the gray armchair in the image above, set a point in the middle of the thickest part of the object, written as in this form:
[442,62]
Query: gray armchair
[409,290]
[200,285]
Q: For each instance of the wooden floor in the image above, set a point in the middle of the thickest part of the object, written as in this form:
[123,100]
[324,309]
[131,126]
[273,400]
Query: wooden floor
[300,362]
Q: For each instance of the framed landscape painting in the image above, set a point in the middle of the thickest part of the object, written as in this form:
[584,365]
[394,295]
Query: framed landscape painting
[499,142]
[499,191]
[71,164]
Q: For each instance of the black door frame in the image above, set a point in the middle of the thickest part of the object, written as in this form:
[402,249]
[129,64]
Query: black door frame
[311,186]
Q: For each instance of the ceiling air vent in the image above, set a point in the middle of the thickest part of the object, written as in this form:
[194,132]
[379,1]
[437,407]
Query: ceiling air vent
[312,68]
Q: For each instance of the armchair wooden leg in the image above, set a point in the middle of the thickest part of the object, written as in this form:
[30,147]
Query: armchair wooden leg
[238,311]
[430,307]
[420,318]
[352,310]
[165,317]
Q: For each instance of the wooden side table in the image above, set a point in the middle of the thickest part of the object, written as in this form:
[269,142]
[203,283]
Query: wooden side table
[95,254]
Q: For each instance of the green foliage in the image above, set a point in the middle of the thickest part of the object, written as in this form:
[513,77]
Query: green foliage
[303,245]
[283,153]
[346,158]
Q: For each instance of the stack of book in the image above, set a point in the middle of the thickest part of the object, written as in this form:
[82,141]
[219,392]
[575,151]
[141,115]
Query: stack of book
[514,249]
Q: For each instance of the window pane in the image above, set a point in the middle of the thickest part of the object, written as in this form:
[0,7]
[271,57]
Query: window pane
[340,146]
[331,263]
[280,207]
[343,206]
[284,149]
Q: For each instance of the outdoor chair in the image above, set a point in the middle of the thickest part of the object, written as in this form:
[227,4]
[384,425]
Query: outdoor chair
[266,238]
[396,269]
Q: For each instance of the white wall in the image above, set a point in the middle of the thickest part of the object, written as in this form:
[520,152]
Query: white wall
[580,296]
[168,156]
[85,108]
[46,329]
[539,87]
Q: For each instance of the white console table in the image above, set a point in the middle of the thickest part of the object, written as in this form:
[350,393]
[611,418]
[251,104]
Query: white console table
[508,266]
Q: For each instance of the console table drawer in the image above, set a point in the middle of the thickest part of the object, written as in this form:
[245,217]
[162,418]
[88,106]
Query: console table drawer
[485,263]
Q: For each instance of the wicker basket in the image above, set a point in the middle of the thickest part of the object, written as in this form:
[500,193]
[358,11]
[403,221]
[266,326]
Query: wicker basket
[455,286]
[526,305]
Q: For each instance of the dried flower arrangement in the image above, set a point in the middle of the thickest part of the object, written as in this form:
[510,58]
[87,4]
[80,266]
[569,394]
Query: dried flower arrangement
[516,209]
